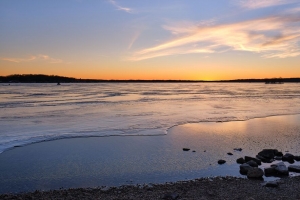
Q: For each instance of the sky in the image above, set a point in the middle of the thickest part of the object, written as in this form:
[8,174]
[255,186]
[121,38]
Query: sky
[157,39]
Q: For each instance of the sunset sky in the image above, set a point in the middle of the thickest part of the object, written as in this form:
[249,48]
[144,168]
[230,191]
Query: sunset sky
[157,39]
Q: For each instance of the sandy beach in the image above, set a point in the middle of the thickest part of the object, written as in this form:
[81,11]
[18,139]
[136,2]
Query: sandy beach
[204,189]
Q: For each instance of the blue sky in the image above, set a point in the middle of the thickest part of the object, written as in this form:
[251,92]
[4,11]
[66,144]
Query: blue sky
[134,39]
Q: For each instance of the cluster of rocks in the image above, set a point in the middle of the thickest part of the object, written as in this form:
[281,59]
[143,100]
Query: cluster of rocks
[249,165]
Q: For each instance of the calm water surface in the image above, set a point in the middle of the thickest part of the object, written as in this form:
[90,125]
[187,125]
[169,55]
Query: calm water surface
[41,112]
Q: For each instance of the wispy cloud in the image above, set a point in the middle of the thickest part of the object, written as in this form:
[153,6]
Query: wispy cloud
[271,37]
[256,4]
[125,9]
[39,57]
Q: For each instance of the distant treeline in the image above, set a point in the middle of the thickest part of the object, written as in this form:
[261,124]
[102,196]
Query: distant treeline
[41,78]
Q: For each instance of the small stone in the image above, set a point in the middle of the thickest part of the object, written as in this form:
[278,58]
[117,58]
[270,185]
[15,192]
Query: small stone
[268,153]
[240,160]
[255,173]
[238,149]
[248,158]
[272,184]
[244,168]
[288,157]
[252,163]
[185,149]
[281,169]
[194,151]
[229,154]
[294,168]
[279,153]
[220,162]
[297,158]
[270,171]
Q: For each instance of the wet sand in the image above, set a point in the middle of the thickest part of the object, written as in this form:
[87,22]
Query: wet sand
[131,160]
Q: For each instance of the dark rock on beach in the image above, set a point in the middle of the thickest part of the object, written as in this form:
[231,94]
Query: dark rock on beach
[288,157]
[244,168]
[268,153]
[255,173]
[281,169]
[272,184]
[229,154]
[297,158]
[294,168]
[278,157]
[238,149]
[240,160]
[270,171]
[248,158]
[252,163]
[186,149]
[220,162]
[263,159]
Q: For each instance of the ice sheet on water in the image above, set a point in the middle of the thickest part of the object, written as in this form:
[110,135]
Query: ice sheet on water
[40,112]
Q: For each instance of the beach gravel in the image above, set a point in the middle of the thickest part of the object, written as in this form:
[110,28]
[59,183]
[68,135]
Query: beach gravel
[204,188]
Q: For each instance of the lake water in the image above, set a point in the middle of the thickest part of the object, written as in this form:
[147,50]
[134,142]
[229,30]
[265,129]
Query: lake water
[33,113]
[149,124]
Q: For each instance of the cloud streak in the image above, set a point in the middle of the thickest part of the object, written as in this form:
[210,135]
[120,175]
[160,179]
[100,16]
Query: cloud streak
[256,4]
[271,37]
[125,9]
[39,57]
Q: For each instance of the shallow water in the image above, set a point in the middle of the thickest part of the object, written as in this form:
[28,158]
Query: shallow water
[118,160]
[42,112]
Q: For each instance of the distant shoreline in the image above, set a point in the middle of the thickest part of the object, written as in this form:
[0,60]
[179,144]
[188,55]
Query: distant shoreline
[41,78]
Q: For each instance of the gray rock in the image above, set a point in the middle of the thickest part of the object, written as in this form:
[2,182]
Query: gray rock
[294,168]
[281,168]
[220,162]
[270,171]
[252,163]
[288,157]
[272,184]
[255,173]
[263,159]
[244,168]
[297,158]
[248,158]
[279,153]
[240,160]
[268,153]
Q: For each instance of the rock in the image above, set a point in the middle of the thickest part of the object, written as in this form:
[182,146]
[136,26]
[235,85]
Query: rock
[244,168]
[240,160]
[238,149]
[281,169]
[248,158]
[255,173]
[268,153]
[263,159]
[270,171]
[279,153]
[294,168]
[194,151]
[297,158]
[252,163]
[171,196]
[185,149]
[220,162]
[229,154]
[278,157]
[288,157]
[272,184]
